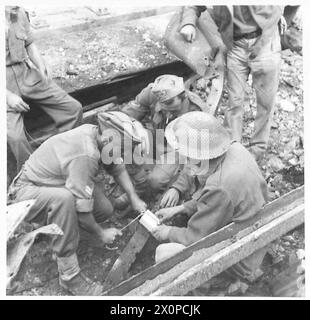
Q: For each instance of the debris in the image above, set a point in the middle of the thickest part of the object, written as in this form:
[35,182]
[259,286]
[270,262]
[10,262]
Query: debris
[72,71]
[237,287]
[289,238]
[287,106]
[293,162]
[276,164]
[15,214]
[274,125]
[18,249]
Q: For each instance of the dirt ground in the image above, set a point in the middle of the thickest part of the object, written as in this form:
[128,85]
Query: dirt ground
[85,58]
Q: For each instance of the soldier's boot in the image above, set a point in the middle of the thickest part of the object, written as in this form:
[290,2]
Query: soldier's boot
[80,285]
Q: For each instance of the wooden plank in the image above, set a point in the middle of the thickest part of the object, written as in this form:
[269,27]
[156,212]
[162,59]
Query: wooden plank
[271,211]
[231,254]
[120,268]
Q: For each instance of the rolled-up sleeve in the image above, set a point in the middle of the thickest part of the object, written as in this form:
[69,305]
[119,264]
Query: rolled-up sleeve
[140,108]
[81,182]
[190,15]
[214,210]
[184,182]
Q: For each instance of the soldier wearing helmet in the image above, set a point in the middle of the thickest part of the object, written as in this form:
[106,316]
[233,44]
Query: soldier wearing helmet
[60,175]
[158,104]
[221,183]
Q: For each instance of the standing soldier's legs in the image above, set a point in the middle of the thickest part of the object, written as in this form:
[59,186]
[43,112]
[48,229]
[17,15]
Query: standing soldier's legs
[237,75]
[65,111]
[16,134]
[265,73]
[17,139]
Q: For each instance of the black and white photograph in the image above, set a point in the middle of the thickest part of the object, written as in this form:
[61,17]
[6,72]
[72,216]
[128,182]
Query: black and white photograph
[154,150]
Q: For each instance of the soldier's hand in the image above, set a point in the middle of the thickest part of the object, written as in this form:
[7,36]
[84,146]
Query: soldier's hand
[170,198]
[188,32]
[108,235]
[16,103]
[282,25]
[167,213]
[161,233]
[138,204]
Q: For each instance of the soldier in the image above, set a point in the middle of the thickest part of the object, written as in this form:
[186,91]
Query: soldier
[60,175]
[252,39]
[225,184]
[29,85]
[157,105]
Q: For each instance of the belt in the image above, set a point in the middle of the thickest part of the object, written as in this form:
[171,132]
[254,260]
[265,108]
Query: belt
[250,35]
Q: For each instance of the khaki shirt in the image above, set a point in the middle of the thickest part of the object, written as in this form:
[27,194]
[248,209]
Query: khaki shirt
[243,20]
[70,160]
[146,107]
[266,18]
[18,37]
[232,190]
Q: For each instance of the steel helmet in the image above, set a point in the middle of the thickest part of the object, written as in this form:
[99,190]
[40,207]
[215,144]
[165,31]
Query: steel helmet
[198,135]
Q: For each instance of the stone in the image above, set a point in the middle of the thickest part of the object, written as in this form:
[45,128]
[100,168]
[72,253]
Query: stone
[293,162]
[287,106]
[276,164]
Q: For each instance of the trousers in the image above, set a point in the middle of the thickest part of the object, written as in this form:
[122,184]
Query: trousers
[265,69]
[57,205]
[154,178]
[28,83]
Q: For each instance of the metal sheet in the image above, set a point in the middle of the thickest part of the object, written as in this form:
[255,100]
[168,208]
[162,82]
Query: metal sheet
[205,55]
[15,214]
[17,250]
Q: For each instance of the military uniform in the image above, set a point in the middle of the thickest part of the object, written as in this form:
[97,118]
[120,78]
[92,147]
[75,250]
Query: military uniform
[148,109]
[252,39]
[24,80]
[233,190]
[60,175]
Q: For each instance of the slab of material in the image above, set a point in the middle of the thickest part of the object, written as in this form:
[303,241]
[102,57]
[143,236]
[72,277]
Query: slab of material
[15,214]
[204,55]
[119,270]
[157,275]
[17,250]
